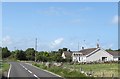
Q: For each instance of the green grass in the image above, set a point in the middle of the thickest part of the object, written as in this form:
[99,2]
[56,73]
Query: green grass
[99,69]
[4,67]
[62,72]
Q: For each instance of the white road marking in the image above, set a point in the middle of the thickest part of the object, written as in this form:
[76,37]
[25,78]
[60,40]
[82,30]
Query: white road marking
[9,71]
[29,71]
[35,76]
[44,70]
[26,68]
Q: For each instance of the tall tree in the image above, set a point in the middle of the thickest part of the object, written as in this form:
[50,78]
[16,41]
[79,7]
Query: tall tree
[20,55]
[30,54]
[5,52]
[64,49]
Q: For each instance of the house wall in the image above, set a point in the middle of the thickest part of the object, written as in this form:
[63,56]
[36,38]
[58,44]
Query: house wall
[98,56]
[115,58]
[82,59]
[78,58]
[63,55]
[75,58]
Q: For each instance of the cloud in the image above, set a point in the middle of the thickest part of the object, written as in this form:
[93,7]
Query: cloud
[57,42]
[55,11]
[115,19]
[6,41]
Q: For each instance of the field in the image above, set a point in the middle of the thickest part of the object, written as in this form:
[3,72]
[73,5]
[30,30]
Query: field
[99,70]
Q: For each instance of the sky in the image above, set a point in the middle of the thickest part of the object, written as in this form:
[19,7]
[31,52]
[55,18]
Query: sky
[59,24]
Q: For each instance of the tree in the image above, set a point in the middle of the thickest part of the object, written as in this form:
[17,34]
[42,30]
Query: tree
[5,52]
[20,55]
[64,49]
[109,49]
[0,53]
[30,54]
[42,56]
[60,51]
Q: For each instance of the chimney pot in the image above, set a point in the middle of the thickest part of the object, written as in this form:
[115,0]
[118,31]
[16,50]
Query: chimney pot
[82,48]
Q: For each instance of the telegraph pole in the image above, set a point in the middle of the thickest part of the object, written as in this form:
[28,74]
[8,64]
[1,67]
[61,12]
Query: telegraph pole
[84,44]
[78,46]
[35,48]
[98,43]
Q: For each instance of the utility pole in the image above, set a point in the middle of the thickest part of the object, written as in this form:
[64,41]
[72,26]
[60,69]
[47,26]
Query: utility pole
[14,48]
[78,46]
[84,43]
[98,43]
[35,48]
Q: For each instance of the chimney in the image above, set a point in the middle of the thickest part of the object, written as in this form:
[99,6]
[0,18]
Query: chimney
[82,48]
[98,45]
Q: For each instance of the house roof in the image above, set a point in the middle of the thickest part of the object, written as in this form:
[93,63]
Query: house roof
[67,53]
[87,51]
[114,53]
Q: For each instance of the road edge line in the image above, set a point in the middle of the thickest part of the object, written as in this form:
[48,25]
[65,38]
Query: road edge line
[45,70]
[9,71]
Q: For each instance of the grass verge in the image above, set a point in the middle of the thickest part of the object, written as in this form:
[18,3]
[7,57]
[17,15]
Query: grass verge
[65,73]
[108,70]
[4,69]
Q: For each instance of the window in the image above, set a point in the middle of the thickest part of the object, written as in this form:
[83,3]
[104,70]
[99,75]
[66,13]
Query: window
[104,58]
[79,58]
[119,58]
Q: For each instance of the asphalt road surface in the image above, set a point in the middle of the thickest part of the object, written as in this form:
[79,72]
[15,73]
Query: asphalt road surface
[19,70]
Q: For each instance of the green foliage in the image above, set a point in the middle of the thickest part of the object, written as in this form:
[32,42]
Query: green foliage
[5,52]
[61,71]
[30,54]
[98,69]
[64,49]
[20,55]
[5,66]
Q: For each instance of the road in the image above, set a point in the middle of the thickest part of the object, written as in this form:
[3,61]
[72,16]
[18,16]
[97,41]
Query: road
[20,70]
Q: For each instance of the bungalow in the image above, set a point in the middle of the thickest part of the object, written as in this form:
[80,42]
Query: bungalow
[92,54]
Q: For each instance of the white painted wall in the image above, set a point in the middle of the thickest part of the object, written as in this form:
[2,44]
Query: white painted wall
[75,58]
[82,59]
[78,58]
[115,58]
[63,55]
[98,56]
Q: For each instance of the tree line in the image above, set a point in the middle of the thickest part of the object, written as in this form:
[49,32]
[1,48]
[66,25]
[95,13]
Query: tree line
[30,55]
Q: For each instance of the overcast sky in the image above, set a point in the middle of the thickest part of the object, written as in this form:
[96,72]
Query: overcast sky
[58,25]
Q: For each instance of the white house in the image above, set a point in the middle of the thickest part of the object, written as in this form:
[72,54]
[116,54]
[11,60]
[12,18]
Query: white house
[94,54]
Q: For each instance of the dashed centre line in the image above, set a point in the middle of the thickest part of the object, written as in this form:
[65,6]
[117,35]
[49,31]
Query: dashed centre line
[30,71]
[35,76]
